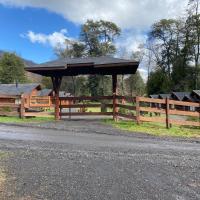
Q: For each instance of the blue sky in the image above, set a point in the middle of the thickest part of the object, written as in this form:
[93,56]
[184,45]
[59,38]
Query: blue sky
[17,21]
[32,28]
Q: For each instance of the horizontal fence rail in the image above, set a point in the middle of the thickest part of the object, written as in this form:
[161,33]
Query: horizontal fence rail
[138,109]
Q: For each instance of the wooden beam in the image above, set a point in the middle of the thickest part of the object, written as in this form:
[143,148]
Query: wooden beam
[56,87]
[114,90]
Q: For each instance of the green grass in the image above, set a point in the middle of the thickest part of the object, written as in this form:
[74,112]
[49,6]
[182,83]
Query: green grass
[156,129]
[25,120]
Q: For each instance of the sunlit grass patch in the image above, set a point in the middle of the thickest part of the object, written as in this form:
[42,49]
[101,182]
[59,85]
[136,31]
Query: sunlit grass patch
[155,129]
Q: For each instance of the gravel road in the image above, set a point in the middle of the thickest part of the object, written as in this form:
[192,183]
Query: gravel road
[90,160]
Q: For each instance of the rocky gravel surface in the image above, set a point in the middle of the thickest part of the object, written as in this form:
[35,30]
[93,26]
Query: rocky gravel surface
[81,163]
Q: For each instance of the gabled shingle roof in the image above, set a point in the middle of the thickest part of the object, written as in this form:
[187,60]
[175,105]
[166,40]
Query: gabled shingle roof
[197,92]
[105,65]
[13,89]
[44,92]
[180,95]
[164,96]
[154,96]
[102,60]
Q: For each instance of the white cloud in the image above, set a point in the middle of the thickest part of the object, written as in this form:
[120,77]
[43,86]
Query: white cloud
[126,13]
[55,39]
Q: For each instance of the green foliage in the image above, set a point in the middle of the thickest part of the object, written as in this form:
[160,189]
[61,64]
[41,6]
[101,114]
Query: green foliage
[135,85]
[46,82]
[98,37]
[158,83]
[11,69]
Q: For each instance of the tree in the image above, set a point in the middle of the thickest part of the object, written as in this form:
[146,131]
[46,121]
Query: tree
[135,85]
[98,37]
[11,69]
[194,25]
[158,83]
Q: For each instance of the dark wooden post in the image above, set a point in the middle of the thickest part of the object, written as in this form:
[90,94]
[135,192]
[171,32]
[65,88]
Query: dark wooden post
[167,113]
[137,106]
[56,87]
[22,108]
[114,90]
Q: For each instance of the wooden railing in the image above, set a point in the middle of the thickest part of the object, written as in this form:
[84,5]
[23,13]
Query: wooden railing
[37,101]
[82,104]
[139,109]
[161,110]
[10,105]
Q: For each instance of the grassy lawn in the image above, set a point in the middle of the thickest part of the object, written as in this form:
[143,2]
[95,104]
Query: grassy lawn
[25,120]
[156,129]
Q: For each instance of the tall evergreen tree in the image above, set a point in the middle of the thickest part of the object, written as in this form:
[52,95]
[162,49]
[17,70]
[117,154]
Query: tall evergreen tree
[12,69]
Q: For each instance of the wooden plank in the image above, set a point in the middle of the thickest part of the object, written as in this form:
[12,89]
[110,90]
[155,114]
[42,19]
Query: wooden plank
[152,119]
[167,113]
[138,110]
[184,123]
[150,109]
[38,114]
[9,114]
[81,106]
[86,98]
[10,105]
[10,96]
[128,99]
[126,116]
[185,113]
[126,106]
[85,113]
[150,100]
[184,103]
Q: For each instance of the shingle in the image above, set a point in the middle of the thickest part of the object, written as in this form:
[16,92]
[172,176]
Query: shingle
[164,96]
[13,89]
[92,60]
[180,95]
[44,92]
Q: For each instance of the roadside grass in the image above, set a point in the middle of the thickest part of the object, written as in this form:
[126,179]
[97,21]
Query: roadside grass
[155,129]
[25,120]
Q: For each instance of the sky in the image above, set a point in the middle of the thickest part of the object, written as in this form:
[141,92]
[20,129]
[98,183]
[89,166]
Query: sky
[32,28]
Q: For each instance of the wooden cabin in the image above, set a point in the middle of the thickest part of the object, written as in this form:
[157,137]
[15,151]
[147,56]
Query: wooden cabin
[7,91]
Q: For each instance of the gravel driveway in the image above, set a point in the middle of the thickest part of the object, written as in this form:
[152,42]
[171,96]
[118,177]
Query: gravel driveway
[90,160]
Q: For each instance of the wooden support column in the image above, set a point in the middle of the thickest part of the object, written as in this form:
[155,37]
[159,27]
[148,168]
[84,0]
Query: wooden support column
[56,87]
[114,90]
[167,113]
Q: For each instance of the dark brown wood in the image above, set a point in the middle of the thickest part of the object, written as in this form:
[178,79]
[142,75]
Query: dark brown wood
[137,103]
[85,113]
[114,90]
[22,108]
[167,113]
[126,106]
[56,87]
[87,98]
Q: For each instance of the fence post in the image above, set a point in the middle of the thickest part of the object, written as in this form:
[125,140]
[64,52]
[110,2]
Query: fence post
[137,104]
[167,113]
[22,108]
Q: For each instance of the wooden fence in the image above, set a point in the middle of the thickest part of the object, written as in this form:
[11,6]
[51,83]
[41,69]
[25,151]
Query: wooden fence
[139,109]
[161,110]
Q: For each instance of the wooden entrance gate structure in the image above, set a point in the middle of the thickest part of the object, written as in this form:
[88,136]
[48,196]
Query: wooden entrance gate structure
[104,65]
